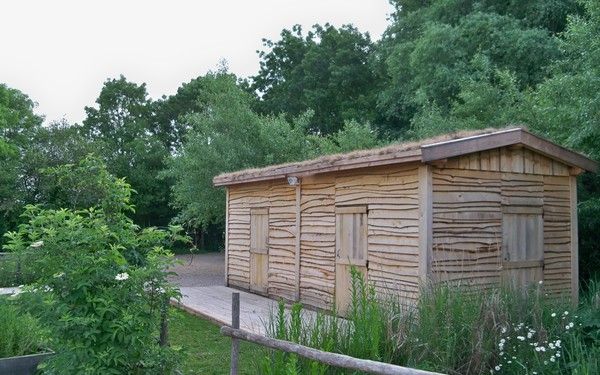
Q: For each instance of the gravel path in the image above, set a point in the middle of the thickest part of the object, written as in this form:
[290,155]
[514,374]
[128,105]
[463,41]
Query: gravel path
[200,269]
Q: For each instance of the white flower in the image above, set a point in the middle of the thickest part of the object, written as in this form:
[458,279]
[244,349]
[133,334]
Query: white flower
[57,275]
[521,338]
[529,335]
[566,313]
[571,325]
[553,315]
[497,368]
[122,276]
[552,359]
[37,244]
[540,282]
[557,354]
[503,330]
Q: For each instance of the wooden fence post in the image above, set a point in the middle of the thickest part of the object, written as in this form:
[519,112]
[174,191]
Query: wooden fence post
[235,324]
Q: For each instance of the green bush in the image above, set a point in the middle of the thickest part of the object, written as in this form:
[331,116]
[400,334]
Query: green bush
[101,283]
[20,334]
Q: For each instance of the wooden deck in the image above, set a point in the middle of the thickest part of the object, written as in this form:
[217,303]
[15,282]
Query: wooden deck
[214,303]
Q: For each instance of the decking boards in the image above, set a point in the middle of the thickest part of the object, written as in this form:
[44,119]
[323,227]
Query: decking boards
[214,303]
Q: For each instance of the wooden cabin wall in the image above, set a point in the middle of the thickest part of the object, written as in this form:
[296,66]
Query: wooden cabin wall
[469,195]
[282,240]
[390,195]
[317,241]
[279,198]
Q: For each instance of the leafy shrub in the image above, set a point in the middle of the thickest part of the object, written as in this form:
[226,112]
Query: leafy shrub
[102,286]
[20,334]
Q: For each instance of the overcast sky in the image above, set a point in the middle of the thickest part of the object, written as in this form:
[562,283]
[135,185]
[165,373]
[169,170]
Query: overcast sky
[60,52]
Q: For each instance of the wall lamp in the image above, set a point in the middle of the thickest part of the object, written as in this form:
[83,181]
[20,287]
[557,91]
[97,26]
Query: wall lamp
[293,181]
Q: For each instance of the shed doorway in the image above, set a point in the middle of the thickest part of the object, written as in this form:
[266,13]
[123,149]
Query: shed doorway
[351,250]
[522,246]
[259,250]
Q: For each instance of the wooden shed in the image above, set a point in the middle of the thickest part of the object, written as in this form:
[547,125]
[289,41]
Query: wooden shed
[479,208]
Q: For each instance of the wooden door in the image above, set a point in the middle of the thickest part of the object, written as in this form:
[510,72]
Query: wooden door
[351,250]
[522,246]
[259,250]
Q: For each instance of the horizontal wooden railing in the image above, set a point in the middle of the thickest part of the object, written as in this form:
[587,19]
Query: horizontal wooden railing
[332,359]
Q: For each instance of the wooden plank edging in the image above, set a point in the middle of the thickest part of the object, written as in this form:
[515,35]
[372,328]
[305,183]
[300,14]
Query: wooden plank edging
[332,359]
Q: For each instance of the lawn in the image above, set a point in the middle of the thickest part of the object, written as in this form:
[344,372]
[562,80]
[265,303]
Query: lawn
[208,351]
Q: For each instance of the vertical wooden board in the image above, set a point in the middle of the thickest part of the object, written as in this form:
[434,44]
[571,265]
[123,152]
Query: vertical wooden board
[574,248]
[259,272]
[543,165]
[517,160]
[528,164]
[495,160]
[343,285]
[485,160]
[425,222]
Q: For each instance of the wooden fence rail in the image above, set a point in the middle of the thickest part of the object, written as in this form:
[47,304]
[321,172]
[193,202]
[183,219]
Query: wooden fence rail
[332,359]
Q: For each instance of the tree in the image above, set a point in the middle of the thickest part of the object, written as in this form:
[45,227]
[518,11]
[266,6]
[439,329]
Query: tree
[229,136]
[225,137]
[18,124]
[123,126]
[429,48]
[327,71]
[566,108]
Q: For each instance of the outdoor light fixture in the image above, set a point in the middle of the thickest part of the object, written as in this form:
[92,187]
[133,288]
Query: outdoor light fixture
[293,181]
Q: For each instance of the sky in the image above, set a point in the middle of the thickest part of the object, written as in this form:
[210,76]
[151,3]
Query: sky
[60,52]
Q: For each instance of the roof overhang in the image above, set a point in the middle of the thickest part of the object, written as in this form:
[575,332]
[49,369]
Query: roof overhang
[424,152]
[504,138]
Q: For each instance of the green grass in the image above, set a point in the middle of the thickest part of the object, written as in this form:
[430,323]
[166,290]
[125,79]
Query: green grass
[208,351]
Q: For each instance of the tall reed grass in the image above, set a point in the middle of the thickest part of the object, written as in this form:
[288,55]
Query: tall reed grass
[451,329]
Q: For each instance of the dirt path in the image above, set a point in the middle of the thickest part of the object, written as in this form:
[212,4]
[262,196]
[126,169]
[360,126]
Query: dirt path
[200,270]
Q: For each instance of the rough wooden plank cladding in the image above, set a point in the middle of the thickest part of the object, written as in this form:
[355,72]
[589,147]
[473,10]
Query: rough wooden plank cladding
[467,225]
[516,160]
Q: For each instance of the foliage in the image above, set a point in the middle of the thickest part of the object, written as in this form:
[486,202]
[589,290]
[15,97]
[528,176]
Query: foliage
[20,334]
[123,127]
[18,124]
[450,329]
[429,48]
[15,270]
[327,71]
[365,333]
[101,285]
[259,141]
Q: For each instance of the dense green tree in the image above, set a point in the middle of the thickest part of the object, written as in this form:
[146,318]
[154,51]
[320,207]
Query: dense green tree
[327,71]
[123,126]
[18,124]
[566,108]
[228,136]
[430,46]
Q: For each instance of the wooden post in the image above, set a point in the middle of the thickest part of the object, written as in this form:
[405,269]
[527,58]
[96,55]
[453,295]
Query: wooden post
[297,255]
[235,324]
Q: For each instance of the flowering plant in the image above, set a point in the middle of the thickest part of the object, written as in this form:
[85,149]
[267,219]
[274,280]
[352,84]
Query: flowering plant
[526,350]
[102,285]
